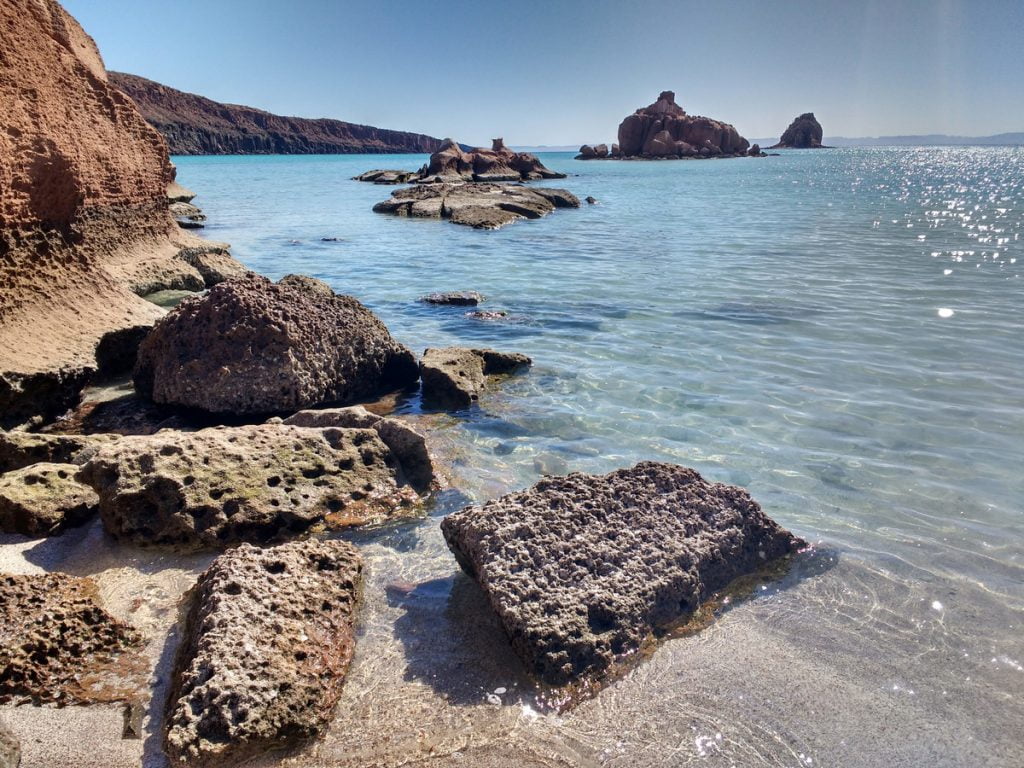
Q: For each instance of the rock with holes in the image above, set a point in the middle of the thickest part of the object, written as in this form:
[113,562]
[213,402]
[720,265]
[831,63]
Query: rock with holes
[252,346]
[454,377]
[20,449]
[582,569]
[10,747]
[44,499]
[57,644]
[268,642]
[260,483]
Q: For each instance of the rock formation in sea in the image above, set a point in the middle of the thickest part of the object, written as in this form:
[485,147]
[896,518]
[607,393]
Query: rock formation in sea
[454,377]
[194,125]
[477,205]
[803,133]
[83,210]
[269,639]
[664,130]
[581,569]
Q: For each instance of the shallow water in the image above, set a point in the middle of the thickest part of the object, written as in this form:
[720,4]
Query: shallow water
[837,331]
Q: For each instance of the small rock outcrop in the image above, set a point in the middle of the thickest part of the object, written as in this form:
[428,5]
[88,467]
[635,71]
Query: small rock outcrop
[664,130]
[44,499]
[10,747]
[58,645]
[268,643]
[251,346]
[386,176]
[482,206]
[307,283]
[803,133]
[499,163]
[260,483]
[582,569]
[454,377]
[454,298]
[20,449]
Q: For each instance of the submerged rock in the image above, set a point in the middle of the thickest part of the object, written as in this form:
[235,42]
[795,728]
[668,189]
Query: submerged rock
[220,486]
[20,449]
[482,206]
[582,569]
[454,298]
[386,176]
[268,642]
[804,132]
[454,377]
[57,644]
[250,346]
[44,499]
[10,748]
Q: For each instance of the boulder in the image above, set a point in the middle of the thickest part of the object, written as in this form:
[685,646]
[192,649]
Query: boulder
[582,569]
[44,499]
[407,445]
[268,642]
[250,346]
[58,645]
[20,449]
[454,298]
[586,153]
[591,200]
[386,177]
[213,263]
[10,748]
[755,150]
[663,129]
[803,133]
[307,283]
[259,483]
[454,377]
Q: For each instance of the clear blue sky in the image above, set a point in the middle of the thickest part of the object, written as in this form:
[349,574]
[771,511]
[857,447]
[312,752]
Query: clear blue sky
[565,72]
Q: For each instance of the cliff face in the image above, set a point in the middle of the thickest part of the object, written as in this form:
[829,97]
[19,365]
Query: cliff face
[803,133]
[663,129]
[194,125]
[82,199]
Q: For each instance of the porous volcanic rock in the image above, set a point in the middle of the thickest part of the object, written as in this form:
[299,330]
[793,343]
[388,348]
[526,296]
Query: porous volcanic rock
[252,346]
[258,483]
[10,748]
[20,449]
[482,206]
[44,499]
[664,130]
[83,184]
[57,644]
[213,263]
[803,133]
[407,444]
[269,639]
[194,125]
[454,298]
[307,283]
[454,377]
[582,569]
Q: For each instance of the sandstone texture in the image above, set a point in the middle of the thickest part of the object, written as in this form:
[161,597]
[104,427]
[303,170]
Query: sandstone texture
[454,377]
[269,640]
[407,444]
[582,569]
[251,346]
[454,298]
[44,499]
[194,125]
[478,205]
[803,133]
[664,130]
[10,748]
[58,645]
[20,449]
[259,483]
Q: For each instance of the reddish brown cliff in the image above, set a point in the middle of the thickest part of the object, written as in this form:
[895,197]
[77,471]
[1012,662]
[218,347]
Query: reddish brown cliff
[803,133]
[82,204]
[194,125]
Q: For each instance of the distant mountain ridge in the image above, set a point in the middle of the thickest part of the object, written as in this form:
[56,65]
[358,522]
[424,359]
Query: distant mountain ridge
[925,140]
[195,125]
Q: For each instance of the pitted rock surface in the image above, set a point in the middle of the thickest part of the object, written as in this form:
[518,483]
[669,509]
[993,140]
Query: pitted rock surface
[269,639]
[477,205]
[57,644]
[581,569]
[253,346]
[44,499]
[454,377]
[307,283]
[220,486]
[20,449]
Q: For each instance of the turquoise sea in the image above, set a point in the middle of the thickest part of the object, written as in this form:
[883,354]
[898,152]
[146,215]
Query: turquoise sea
[840,332]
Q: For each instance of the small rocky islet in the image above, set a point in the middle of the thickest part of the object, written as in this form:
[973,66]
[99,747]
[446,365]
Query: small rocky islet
[267,447]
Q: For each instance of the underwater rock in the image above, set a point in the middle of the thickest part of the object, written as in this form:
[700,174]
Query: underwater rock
[268,643]
[582,569]
[224,485]
[454,377]
[250,346]
[44,499]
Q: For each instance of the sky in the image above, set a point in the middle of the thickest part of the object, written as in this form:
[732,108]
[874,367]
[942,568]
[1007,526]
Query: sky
[563,72]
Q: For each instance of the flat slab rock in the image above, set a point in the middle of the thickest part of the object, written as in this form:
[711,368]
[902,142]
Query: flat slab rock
[582,569]
[454,377]
[44,499]
[58,645]
[478,205]
[259,483]
[20,449]
[454,298]
[269,639]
